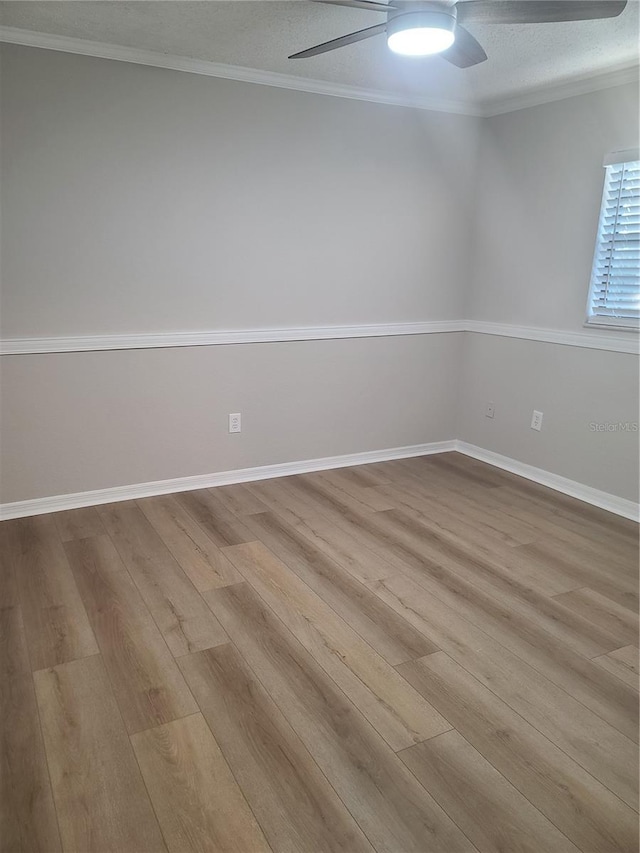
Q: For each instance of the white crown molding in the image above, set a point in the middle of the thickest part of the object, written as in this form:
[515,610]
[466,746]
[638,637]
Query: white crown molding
[90,343]
[101,50]
[582,85]
[66,44]
[56,503]
[595,497]
[624,342]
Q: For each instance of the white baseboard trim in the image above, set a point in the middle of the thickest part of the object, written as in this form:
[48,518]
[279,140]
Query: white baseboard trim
[57,503]
[604,500]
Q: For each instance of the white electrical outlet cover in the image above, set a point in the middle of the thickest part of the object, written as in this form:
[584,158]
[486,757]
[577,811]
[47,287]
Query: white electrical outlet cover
[536,420]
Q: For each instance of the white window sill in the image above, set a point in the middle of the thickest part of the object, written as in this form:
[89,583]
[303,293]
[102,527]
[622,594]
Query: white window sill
[614,324]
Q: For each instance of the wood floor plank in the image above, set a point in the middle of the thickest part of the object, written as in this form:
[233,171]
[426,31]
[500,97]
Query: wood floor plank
[391,807]
[575,514]
[623,663]
[202,561]
[147,683]
[464,465]
[398,713]
[55,620]
[457,465]
[78,523]
[602,579]
[602,611]
[575,531]
[280,499]
[454,464]
[423,548]
[590,741]
[339,545]
[529,640]
[583,560]
[9,595]
[198,802]
[620,556]
[320,499]
[541,515]
[461,516]
[100,797]
[320,496]
[239,499]
[390,635]
[576,546]
[406,542]
[28,821]
[329,715]
[532,502]
[596,541]
[398,538]
[184,620]
[579,806]
[340,492]
[488,809]
[220,525]
[422,471]
[363,530]
[363,476]
[295,805]
[594,549]
[366,498]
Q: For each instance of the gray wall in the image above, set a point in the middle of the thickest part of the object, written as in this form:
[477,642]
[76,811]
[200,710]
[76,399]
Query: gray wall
[574,388]
[137,199]
[540,179]
[79,421]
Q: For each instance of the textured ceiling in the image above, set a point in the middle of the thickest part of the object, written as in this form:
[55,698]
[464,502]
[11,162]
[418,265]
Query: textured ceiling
[260,35]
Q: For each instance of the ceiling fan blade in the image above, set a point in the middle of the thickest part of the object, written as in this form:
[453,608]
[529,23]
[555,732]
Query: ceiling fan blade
[360,4]
[343,41]
[536,11]
[465,51]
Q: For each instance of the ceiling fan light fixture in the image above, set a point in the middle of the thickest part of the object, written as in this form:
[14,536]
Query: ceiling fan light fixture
[421,33]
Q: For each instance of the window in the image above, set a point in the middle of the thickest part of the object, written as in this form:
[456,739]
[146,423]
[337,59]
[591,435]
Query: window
[614,295]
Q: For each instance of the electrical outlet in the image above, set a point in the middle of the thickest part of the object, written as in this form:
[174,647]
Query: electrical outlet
[536,420]
[490,411]
[235,422]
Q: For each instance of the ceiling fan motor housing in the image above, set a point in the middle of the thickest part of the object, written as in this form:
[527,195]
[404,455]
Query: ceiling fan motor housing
[429,28]
[428,15]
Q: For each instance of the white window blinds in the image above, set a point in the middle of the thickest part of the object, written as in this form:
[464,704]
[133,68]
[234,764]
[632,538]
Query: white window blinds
[614,295]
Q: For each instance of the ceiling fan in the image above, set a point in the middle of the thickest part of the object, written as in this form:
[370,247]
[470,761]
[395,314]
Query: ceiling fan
[417,28]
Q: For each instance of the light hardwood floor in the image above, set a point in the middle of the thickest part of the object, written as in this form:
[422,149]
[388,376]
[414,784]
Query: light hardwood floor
[405,657]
